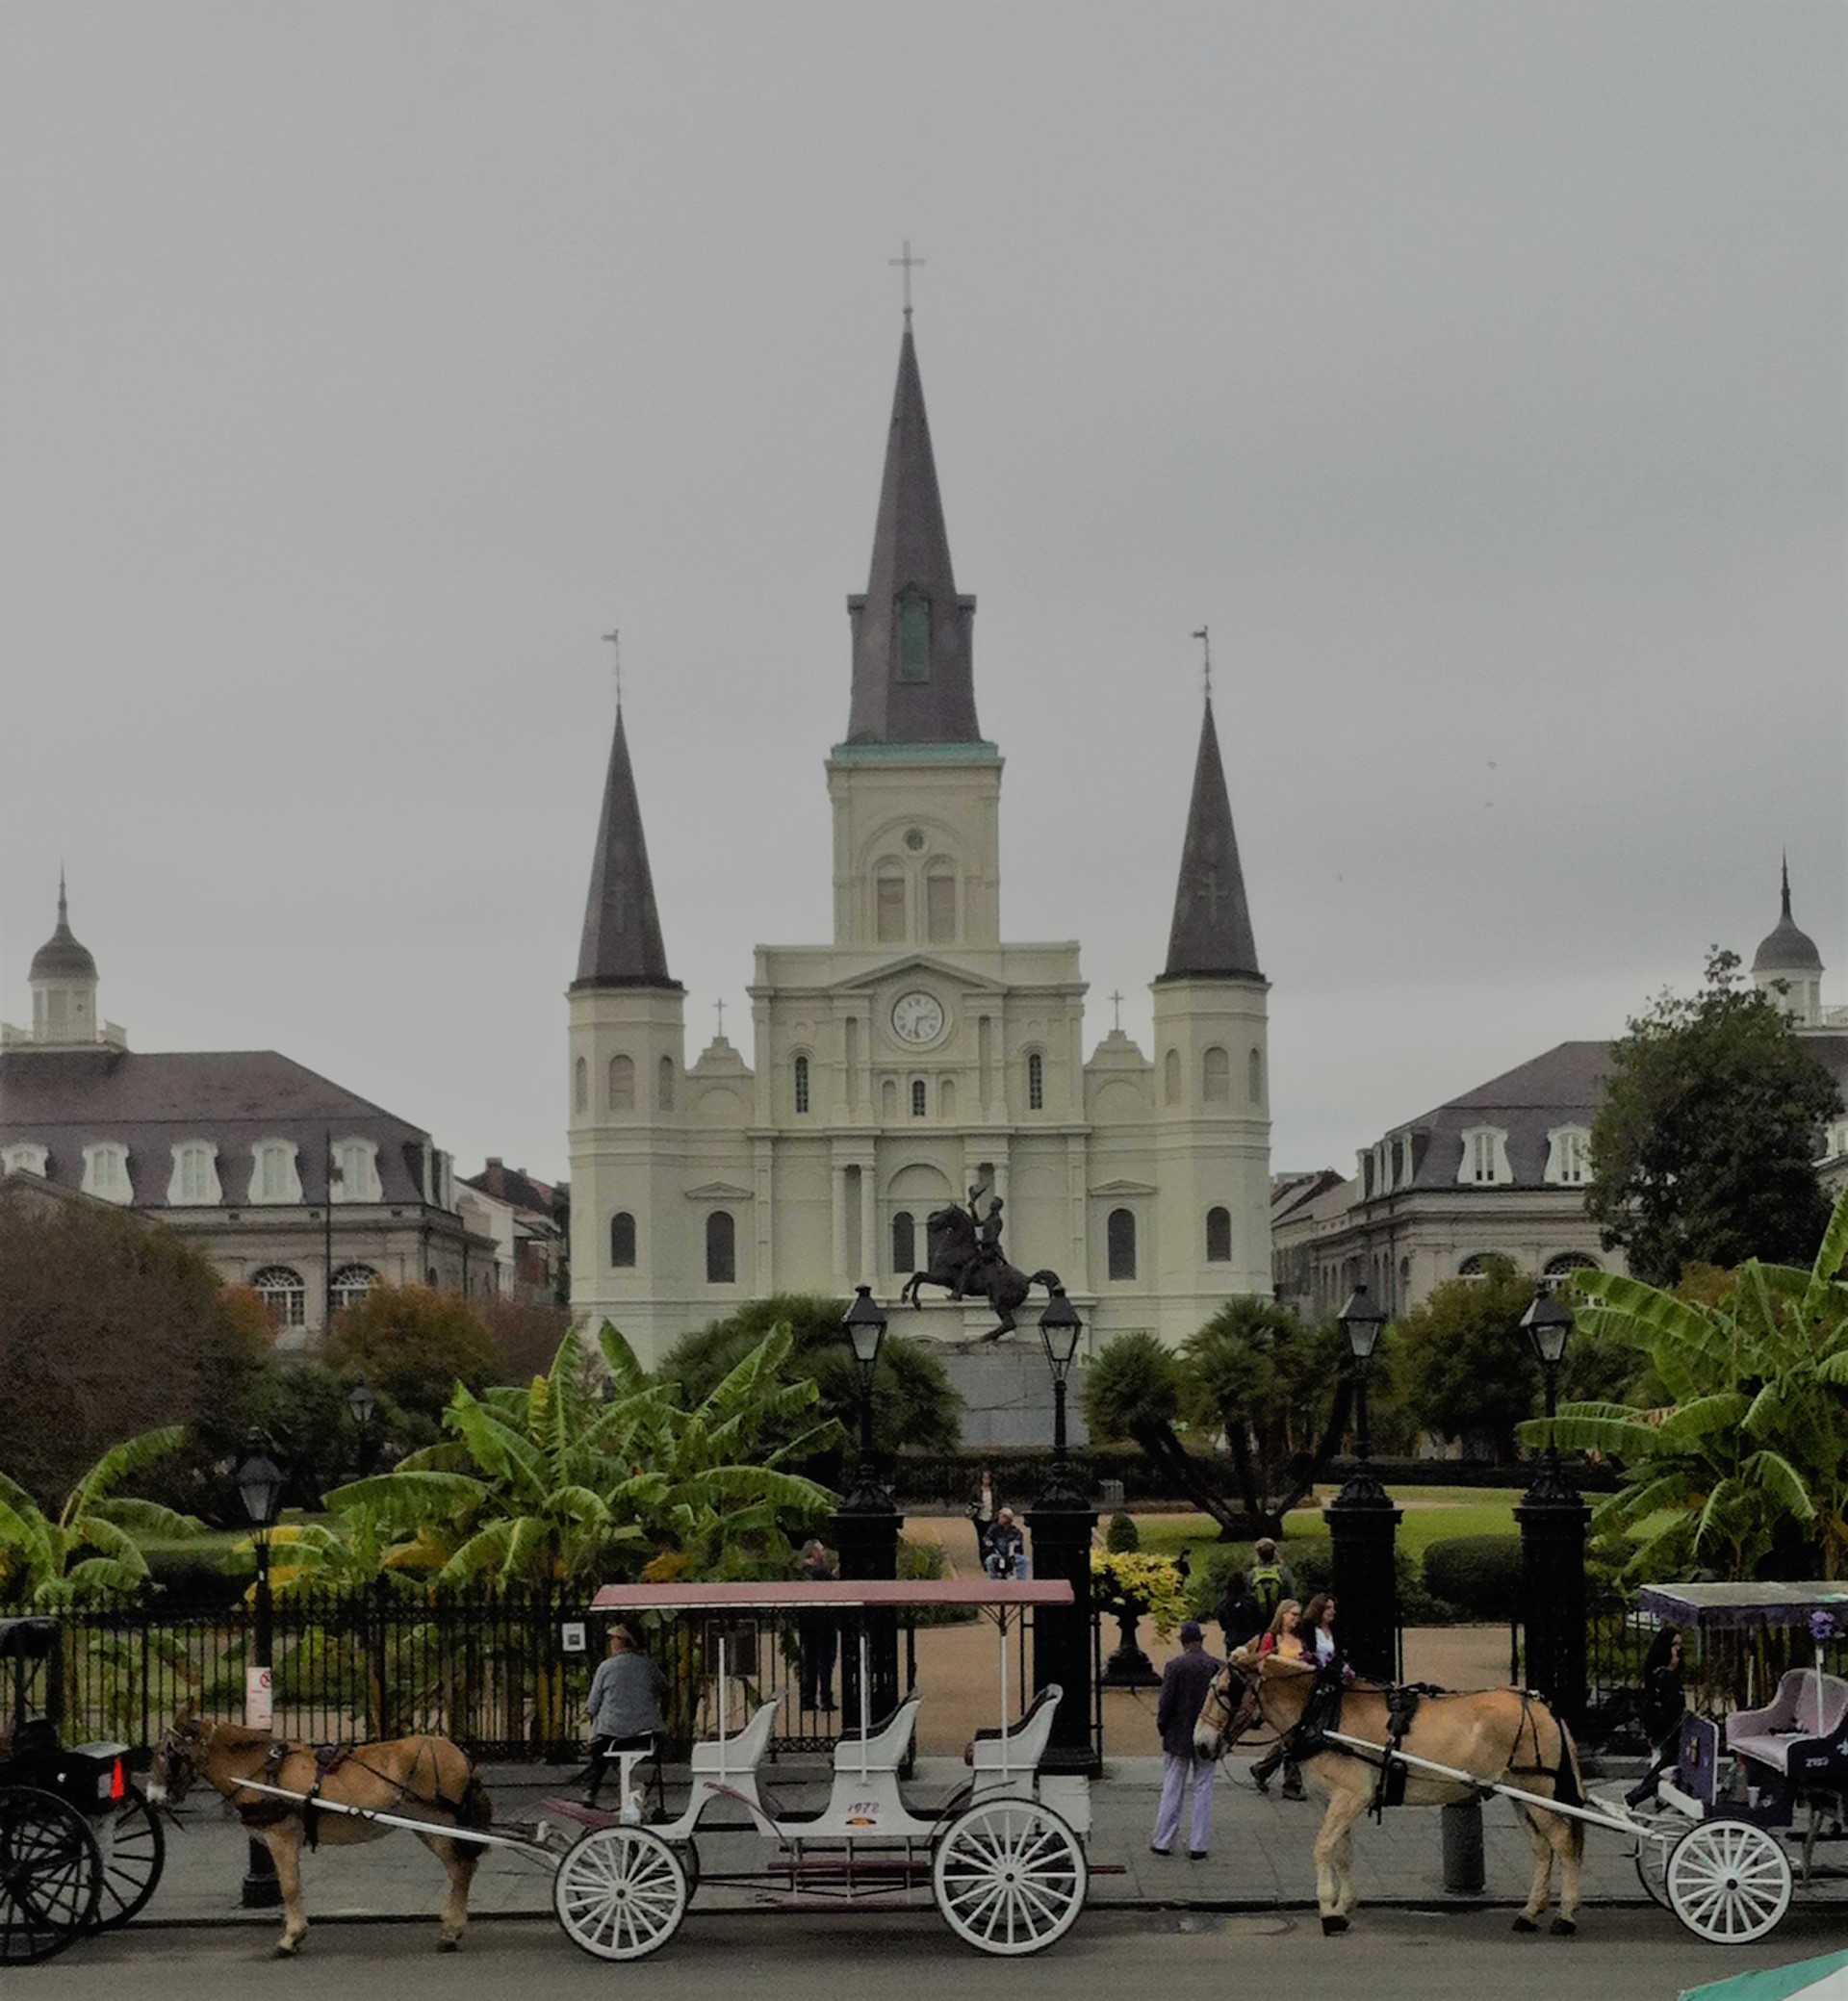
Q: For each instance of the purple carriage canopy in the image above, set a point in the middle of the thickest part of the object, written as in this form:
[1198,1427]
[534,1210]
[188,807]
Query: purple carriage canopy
[1745,1608]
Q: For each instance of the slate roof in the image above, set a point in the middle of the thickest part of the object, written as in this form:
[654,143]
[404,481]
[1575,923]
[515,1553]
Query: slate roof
[514,1185]
[621,942]
[1559,1089]
[1211,934]
[65,1099]
[911,553]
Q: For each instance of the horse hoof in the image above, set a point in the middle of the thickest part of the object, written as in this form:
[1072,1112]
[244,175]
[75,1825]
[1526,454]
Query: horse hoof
[448,1946]
[1564,1928]
[286,1949]
[1525,1923]
[1333,1924]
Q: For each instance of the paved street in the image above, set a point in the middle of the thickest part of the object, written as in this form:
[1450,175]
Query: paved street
[1637,1955]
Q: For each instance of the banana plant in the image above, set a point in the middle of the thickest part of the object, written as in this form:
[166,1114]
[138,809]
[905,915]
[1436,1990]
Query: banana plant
[93,1545]
[1754,1436]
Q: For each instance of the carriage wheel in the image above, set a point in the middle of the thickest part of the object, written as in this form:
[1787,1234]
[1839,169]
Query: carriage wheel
[1652,1870]
[50,1874]
[1008,1876]
[1729,1882]
[133,1849]
[620,1893]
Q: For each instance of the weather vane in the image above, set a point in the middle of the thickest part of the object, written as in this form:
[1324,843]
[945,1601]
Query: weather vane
[910,264]
[614,641]
[1206,651]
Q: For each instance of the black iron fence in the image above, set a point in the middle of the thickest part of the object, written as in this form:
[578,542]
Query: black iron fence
[508,1677]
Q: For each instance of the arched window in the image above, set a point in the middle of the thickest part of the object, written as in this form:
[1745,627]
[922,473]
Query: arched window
[888,907]
[1120,1236]
[622,1241]
[801,1073]
[946,1097]
[914,636]
[939,904]
[664,1084]
[580,1086]
[1215,1076]
[904,1242]
[622,1083]
[721,1248]
[274,1176]
[1219,1236]
[1171,1077]
[1476,1266]
[1558,1270]
[351,1284]
[889,1100]
[1036,1082]
[1254,1075]
[284,1296]
[920,1098]
[194,1179]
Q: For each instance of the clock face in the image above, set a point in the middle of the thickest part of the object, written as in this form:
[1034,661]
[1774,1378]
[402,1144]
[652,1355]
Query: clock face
[918,1017]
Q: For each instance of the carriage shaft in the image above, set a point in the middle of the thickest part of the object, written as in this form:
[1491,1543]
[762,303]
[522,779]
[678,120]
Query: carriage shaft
[1507,1792]
[320,1803]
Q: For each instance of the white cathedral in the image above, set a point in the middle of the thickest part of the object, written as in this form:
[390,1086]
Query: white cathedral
[918,1054]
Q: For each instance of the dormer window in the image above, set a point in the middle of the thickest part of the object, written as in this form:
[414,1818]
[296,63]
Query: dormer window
[914,636]
[274,1176]
[1486,1158]
[1568,1157]
[24,1159]
[106,1172]
[355,1177]
[194,1180]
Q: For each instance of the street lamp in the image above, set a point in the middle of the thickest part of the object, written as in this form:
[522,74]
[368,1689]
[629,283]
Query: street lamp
[1060,1332]
[1061,1522]
[1553,1521]
[1363,1524]
[260,1484]
[361,1400]
[866,1523]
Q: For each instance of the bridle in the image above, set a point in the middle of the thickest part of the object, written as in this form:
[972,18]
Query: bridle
[1249,1710]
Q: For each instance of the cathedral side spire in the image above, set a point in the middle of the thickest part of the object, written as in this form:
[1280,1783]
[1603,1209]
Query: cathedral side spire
[913,680]
[1210,935]
[621,942]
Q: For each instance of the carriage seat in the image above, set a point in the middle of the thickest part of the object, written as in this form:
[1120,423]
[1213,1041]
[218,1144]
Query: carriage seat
[1800,1712]
[994,1756]
[734,1760]
[886,1746]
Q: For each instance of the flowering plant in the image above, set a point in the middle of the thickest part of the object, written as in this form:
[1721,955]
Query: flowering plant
[1129,1582]
[1823,1627]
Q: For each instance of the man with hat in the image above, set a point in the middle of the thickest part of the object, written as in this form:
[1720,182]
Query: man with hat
[1184,1681]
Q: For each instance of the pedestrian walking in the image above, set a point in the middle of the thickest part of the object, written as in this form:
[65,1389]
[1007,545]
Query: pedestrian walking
[1285,1640]
[1239,1616]
[1184,1681]
[817,1634]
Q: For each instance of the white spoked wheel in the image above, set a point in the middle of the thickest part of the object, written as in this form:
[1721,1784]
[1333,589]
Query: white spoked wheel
[620,1893]
[1729,1882]
[1008,1876]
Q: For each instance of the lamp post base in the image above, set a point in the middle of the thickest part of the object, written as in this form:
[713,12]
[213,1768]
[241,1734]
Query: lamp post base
[261,1891]
[1363,1532]
[866,1533]
[1551,1520]
[1063,1647]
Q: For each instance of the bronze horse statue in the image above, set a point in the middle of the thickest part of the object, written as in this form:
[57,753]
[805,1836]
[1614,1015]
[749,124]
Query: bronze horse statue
[967,1260]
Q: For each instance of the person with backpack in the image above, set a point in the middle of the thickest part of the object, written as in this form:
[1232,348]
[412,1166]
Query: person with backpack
[1239,1615]
[1270,1580]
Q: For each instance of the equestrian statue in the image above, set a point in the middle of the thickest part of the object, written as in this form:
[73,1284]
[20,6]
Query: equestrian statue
[966,1259]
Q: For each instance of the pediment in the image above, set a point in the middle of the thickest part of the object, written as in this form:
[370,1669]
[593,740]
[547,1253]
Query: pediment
[923,965]
[718,1191]
[1123,1188]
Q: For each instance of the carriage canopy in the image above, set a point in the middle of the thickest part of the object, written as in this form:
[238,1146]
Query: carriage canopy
[1744,1607]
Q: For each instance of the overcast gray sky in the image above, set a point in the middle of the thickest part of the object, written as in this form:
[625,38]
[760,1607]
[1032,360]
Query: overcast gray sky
[1476,371]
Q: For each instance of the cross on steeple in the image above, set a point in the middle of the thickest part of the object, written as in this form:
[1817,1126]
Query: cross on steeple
[1117,1007]
[720,1006]
[1206,664]
[614,641]
[910,264]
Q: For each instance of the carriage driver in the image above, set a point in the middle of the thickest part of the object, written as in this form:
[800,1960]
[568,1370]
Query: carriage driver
[624,1705]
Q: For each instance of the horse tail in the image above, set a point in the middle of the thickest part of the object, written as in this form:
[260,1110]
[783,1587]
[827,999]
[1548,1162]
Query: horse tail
[477,1809]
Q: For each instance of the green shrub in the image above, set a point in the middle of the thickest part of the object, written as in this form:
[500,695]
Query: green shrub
[198,1578]
[1121,1534]
[1479,1574]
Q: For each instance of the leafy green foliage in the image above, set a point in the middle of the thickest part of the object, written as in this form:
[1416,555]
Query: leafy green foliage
[1467,1369]
[92,1546]
[1121,1533]
[415,1344]
[1744,1472]
[1703,1147]
[914,1402]
[1479,1574]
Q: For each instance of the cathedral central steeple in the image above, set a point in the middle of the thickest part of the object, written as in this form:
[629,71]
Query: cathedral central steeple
[914,680]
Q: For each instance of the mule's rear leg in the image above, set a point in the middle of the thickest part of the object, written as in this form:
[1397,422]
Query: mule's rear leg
[459,1858]
[1568,1840]
[1540,1893]
[1335,1893]
[284,1844]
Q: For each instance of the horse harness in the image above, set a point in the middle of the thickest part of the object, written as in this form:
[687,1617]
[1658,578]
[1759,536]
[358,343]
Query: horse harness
[329,1758]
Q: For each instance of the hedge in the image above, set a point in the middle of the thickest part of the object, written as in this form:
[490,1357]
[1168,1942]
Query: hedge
[1479,1574]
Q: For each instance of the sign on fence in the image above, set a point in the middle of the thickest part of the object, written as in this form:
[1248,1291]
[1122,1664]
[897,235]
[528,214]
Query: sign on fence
[258,1707]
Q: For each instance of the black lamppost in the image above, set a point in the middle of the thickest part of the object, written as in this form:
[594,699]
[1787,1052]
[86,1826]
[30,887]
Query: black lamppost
[260,1484]
[1363,1524]
[1061,1522]
[361,1400]
[1553,1521]
[866,1523]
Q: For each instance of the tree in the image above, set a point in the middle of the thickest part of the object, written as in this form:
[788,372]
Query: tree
[1746,1467]
[415,1344]
[1133,1391]
[90,1544]
[1704,1147]
[108,1328]
[1279,1393]
[527,1333]
[914,1402]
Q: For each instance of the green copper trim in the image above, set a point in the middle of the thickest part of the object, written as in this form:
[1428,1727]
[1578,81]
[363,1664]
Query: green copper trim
[976,752]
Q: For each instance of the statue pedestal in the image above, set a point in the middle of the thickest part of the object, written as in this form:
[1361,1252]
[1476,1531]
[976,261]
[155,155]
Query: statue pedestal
[1129,1667]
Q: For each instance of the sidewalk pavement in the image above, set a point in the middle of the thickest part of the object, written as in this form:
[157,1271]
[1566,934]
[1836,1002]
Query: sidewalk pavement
[1260,1856]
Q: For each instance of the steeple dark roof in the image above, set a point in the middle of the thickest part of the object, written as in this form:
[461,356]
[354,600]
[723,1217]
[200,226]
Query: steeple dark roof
[60,957]
[622,944]
[1211,937]
[913,680]
[1786,949]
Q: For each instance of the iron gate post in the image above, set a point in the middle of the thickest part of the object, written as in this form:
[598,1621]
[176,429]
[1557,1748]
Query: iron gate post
[1061,1522]
[1553,1521]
